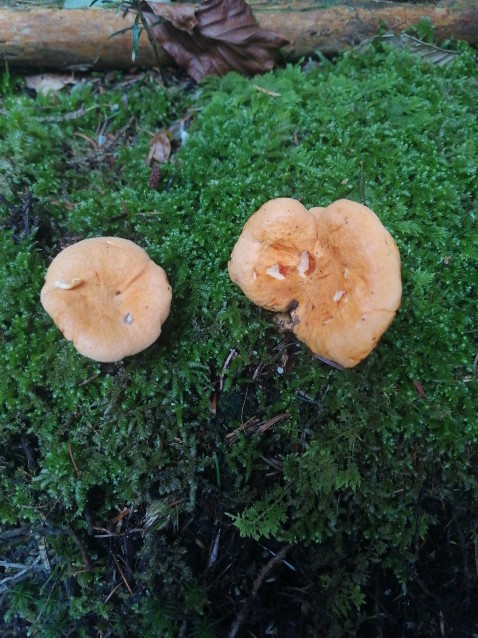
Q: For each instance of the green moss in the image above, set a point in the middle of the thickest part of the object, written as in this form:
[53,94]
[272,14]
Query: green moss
[360,449]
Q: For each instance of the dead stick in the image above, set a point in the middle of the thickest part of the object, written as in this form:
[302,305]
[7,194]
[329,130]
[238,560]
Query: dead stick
[86,559]
[78,475]
[241,617]
[122,574]
[113,591]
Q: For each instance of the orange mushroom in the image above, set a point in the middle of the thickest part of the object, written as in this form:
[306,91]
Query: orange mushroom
[335,270]
[107,296]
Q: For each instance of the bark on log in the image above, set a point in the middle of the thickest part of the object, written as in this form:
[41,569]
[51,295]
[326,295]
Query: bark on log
[65,39]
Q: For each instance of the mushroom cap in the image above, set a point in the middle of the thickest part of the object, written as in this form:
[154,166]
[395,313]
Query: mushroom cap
[336,270]
[107,296]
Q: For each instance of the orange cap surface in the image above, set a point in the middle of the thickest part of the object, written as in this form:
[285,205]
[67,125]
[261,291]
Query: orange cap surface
[335,269]
[107,296]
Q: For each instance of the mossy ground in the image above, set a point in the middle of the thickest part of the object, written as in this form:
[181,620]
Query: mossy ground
[119,484]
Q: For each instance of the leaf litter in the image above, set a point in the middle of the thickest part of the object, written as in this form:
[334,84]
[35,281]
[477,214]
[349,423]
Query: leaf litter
[159,149]
[217,37]
[49,82]
[428,52]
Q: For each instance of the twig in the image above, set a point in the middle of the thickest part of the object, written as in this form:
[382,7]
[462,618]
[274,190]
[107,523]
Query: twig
[442,624]
[244,403]
[230,356]
[44,554]
[134,530]
[112,593]
[88,139]
[78,474]
[74,115]
[329,362]
[46,603]
[7,565]
[257,370]
[89,380]
[244,427]
[86,559]
[119,517]
[419,389]
[254,425]
[275,419]
[276,465]
[214,550]
[24,569]
[34,530]
[122,574]
[241,617]
[289,565]
[266,91]
[11,533]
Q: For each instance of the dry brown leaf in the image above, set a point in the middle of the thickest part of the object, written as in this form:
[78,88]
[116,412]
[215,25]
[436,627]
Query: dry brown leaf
[223,36]
[48,82]
[429,52]
[181,16]
[160,149]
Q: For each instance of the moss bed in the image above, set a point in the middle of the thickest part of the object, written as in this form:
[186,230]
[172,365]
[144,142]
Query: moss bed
[149,497]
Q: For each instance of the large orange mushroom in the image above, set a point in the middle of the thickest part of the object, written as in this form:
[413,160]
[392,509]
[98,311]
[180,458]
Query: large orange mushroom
[107,296]
[335,270]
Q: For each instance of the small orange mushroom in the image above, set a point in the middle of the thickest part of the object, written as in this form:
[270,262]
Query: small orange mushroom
[335,270]
[107,296]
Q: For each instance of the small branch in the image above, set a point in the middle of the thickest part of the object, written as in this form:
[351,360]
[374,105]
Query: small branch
[113,591]
[253,425]
[213,554]
[242,616]
[86,559]
[67,116]
[257,87]
[230,356]
[78,475]
[24,569]
[7,565]
[122,574]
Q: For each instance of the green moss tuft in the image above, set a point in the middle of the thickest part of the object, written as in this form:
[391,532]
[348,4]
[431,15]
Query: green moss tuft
[354,470]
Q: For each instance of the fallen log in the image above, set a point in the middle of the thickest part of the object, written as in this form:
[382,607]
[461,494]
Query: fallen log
[83,39]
